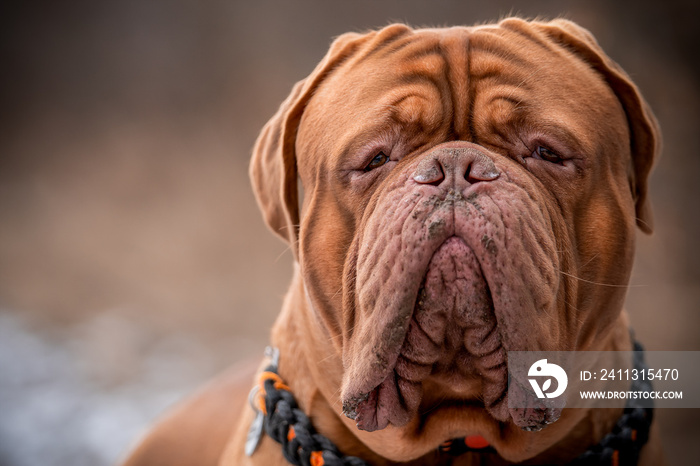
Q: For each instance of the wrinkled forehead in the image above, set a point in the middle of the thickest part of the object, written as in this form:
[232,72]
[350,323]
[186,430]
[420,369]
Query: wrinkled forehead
[430,78]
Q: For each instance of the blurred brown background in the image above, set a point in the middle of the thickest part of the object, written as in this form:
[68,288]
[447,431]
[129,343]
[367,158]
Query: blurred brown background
[133,262]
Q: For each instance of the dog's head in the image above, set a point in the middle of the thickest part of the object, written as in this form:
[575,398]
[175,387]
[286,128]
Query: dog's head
[467,192]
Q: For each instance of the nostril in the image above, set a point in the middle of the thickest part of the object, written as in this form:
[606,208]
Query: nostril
[472,177]
[429,172]
[476,172]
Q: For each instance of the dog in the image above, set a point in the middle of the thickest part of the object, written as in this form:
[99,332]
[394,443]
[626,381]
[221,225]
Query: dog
[468,191]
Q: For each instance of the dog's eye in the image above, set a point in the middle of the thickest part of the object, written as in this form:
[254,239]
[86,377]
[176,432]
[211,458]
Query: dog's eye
[547,155]
[379,160]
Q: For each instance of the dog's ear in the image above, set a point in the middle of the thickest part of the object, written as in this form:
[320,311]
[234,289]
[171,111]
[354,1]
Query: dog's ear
[273,167]
[645,136]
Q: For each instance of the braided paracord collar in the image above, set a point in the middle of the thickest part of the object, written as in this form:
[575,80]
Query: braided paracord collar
[280,417]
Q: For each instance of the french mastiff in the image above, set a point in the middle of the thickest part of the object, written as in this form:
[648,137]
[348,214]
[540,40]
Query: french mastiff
[467,192]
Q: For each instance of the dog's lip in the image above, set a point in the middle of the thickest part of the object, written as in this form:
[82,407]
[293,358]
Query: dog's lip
[417,303]
[352,401]
[390,367]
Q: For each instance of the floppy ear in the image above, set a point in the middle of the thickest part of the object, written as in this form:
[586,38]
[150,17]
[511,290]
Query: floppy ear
[645,136]
[273,168]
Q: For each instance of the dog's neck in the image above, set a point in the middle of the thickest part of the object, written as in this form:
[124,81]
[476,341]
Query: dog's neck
[311,365]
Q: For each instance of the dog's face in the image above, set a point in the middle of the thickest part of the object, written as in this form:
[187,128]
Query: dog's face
[467,192]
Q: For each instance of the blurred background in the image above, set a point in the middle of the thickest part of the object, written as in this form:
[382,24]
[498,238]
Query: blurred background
[134,264]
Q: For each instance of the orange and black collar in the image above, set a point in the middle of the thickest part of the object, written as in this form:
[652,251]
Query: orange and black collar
[278,415]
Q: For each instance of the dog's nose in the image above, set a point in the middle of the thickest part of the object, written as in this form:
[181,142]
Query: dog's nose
[455,165]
